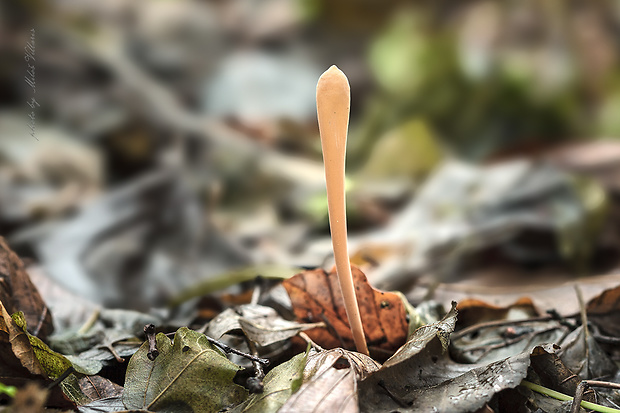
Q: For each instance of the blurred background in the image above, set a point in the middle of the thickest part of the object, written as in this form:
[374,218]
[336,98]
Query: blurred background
[170,142]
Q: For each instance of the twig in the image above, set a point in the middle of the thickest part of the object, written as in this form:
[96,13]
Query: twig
[308,340]
[41,320]
[530,336]
[584,322]
[149,331]
[94,316]
[392,396]
[63,376]
[497,323]
[576,404]
[227,349]
[605,384]
[255,383]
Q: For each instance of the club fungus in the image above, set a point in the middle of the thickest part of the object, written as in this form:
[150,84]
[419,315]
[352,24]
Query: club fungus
[333,101]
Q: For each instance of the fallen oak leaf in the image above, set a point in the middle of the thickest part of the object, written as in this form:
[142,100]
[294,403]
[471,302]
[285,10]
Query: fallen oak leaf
[316,297]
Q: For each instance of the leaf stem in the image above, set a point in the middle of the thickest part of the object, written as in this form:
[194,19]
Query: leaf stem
[561,396]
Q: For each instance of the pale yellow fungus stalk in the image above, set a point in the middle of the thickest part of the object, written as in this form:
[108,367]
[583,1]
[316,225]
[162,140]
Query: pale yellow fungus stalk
[333,101]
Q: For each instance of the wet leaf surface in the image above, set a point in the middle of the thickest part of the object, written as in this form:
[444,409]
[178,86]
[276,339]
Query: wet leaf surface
[316,297]
[189,375]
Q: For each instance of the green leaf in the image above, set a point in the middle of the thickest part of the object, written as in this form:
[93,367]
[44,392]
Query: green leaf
[280,384]
[189,375]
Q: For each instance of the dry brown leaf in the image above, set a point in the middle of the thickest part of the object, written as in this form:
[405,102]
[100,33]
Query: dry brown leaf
[330,382]
[316,296]
[19,364]
[97,387]
[473,311]
[18,293]
[603,310]
[545,296]
[606,302]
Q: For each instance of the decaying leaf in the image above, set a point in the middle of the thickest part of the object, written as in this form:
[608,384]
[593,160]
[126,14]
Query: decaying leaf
[423,335]
[280,383]
[83,390]
[585,357]
[261,324]
[603,310]
[331,382]
[430,382]
[17,358]
[97,387]
[109,404]
[492,344]
[54,364]
[316,297]
[18,293]
[188,375]
[473,311]
[22,361]
[544,296]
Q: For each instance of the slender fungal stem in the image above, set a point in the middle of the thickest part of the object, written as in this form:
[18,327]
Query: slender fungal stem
[333,101]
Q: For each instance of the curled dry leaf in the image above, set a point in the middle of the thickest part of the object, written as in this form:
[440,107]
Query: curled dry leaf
[331,382]
[261,324]
[25,358]
[316,297]
[17,359]
[18,293]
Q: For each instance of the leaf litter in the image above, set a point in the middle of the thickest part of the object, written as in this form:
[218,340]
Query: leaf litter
[191,374]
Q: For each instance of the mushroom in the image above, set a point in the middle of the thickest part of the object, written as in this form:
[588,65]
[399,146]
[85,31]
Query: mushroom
[333,101]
